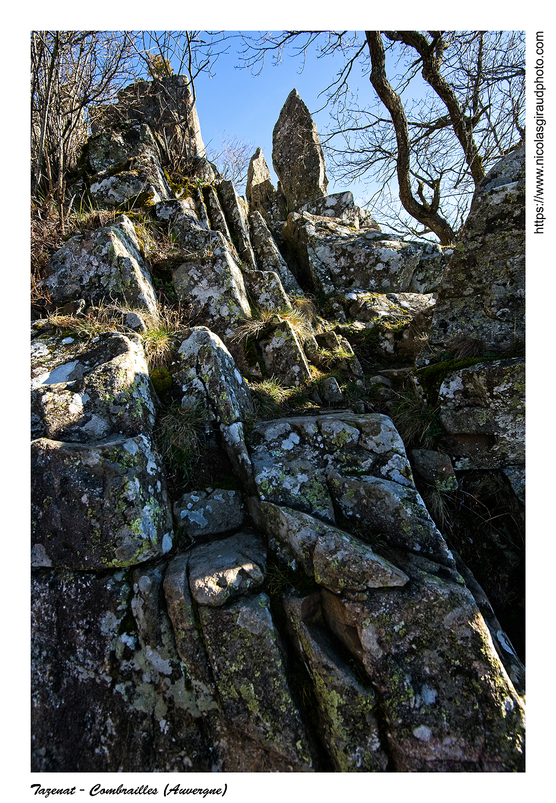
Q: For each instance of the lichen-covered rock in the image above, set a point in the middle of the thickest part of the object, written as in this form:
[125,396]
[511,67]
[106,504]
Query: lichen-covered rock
[108,692]
[144,184]
[393,510]
[209,512]
[268,256]
[84,392]
[395,325]
[226,569]
[337,258]
[430,270]
[248,667]
[98,506]
[330,392]
[346,709]
[482,293]
[435,468]
[287,470]
[236,214]
[182,216]
[213,285]
[216,214]
[103,265]
[297,154]
[354,462]
[260,192]
[482,408]
[188,640]
[165,105]
[283,355]
[337,560]
[341,206]
[266,287]
[446,701]
[112,149]
[127,167]
[205,372]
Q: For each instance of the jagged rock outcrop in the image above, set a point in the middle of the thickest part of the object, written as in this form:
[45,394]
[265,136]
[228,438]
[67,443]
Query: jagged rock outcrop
[337,257]
[437,718]
[126,168]
[268,254]
[83,392]
[482,409]
[166,105]
[341,206]
[224,581]
[260,192]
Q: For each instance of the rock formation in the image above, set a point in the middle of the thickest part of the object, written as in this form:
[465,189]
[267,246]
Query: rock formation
[297,154]
[280,535]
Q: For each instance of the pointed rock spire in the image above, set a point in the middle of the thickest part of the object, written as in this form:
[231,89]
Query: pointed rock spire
[297,154]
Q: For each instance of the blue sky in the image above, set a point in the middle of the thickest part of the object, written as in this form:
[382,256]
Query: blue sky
[236,103]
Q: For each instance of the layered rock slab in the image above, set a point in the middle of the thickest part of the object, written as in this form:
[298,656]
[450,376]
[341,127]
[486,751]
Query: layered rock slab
[338,258]
[82,391]
[209,512]
[225,569]
[212,282]
[127,166]
[108,693]
[268,255]
[207,374]
[334,558]
[346,708]
[165,105]
[357,462]
[248,666]
[482,408]
[447,702]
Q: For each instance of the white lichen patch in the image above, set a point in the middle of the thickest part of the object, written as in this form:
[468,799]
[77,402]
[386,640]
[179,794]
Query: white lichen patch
[369,640]
[423,733]
[290,442]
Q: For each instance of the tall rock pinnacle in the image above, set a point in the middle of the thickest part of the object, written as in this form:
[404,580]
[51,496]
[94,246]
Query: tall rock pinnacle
[297,154]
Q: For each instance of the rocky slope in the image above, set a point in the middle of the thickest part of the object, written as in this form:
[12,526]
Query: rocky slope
[281,534]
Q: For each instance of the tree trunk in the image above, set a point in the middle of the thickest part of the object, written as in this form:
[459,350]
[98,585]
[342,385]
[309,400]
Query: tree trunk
[431,55]
[424,213]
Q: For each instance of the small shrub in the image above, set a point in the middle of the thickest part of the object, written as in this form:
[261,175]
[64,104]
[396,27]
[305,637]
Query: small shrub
[162,380]
[179,435]
[263,320]
[416,421]
[273,400]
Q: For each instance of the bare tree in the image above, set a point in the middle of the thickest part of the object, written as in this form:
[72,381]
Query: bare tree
[189,53]
[70,72]
[76,73]
[232,159]
[436,140]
